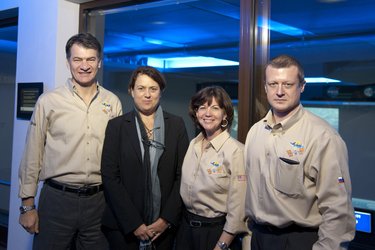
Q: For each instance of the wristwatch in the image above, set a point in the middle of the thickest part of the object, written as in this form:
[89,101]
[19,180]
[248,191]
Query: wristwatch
[222,245]
[24,209]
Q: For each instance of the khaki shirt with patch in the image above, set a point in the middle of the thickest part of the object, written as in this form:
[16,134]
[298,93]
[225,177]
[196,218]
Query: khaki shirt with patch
[298,173]
[213,181]
[65,138]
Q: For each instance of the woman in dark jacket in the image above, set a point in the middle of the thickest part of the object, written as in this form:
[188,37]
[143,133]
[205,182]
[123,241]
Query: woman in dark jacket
[141,169]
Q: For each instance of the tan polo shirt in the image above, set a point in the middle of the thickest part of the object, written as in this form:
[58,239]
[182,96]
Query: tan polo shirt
[213,181]
[65,138]
[298,172]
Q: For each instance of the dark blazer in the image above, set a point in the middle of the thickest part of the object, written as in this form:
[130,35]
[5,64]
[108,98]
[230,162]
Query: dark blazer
[124,177]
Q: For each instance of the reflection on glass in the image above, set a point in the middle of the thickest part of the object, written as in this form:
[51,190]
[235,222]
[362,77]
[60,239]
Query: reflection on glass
[190,42]
[331,115]
[336,43]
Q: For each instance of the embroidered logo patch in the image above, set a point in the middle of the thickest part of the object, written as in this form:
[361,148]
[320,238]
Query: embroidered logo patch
[107,108]
[215,163]
[298,148]
[215,168]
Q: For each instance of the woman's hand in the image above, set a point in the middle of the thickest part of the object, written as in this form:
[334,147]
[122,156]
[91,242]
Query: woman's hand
[143,233]
[225,237]
[158,227]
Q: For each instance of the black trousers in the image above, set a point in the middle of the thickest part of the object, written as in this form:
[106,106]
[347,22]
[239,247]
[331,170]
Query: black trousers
[290,238]
[201,233]
[69,221]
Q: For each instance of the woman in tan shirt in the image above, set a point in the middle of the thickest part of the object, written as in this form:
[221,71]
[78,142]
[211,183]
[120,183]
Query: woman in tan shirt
[213,179]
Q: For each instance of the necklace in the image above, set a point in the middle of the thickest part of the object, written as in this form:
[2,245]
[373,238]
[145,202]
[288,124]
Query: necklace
[150,122]
[149,132]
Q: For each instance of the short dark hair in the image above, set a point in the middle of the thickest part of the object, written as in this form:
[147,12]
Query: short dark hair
[206,95]
[149,71]
[85,40]
[286,61]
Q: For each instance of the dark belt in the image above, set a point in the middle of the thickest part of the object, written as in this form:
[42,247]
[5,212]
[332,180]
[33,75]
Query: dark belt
[278,230]
[83,190]
[199,221]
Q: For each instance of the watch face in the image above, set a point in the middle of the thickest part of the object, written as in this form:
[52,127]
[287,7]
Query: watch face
[24,209]
[223,245]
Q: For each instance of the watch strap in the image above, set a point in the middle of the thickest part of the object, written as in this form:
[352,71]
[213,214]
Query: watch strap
[222,245]
[24,209]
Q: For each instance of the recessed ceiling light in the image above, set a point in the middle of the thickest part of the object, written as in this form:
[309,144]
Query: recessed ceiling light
[159,22]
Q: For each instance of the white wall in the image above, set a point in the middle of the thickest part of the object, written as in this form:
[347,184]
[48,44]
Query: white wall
[43,29]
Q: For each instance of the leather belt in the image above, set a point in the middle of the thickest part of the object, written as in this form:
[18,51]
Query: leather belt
[199,221]
[277,230]
[81,191]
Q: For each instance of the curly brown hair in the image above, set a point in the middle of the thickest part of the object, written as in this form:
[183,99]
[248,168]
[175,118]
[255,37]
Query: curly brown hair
[207,95]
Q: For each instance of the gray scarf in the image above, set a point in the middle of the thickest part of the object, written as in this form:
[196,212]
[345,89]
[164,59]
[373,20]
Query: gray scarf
[151,153]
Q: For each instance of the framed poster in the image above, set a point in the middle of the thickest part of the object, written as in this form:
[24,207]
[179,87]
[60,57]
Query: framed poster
[27,95]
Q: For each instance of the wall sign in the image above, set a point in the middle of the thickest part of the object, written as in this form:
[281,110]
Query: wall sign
[28,94]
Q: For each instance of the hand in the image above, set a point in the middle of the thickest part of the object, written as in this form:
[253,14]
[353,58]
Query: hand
[143,232]
[158,227]
[224,237]
[30,221]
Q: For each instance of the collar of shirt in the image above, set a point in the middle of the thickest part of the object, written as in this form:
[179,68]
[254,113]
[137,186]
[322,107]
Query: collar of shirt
[215,143]
[285,124]
[70,85]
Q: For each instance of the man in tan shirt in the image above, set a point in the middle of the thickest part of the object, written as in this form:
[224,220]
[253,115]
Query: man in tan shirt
[299,189]
[63,149]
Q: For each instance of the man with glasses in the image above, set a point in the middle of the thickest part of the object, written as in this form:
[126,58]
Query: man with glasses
[299,189]
[63,149]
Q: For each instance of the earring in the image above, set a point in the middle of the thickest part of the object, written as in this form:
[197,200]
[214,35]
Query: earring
[225,124]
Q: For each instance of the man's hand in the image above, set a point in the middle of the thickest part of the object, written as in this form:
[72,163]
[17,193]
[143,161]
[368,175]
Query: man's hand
[30,221]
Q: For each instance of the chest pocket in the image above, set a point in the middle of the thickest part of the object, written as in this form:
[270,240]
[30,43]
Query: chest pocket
[217,174]
[288,177]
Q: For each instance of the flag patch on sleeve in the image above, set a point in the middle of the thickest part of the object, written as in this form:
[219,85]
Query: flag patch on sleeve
[341,179]
[241,177]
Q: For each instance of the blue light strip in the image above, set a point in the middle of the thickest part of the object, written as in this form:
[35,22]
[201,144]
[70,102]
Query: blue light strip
[338,103]
[6,45]
[283,28]
[5,183]
[320,80]
[138,7]
[189,62]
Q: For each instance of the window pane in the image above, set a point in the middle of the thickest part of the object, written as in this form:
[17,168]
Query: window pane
[191,42]
[336,40]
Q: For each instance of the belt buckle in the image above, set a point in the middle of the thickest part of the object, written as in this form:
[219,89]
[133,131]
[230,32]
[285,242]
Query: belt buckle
[83,190]
[195,223]
[270,228]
